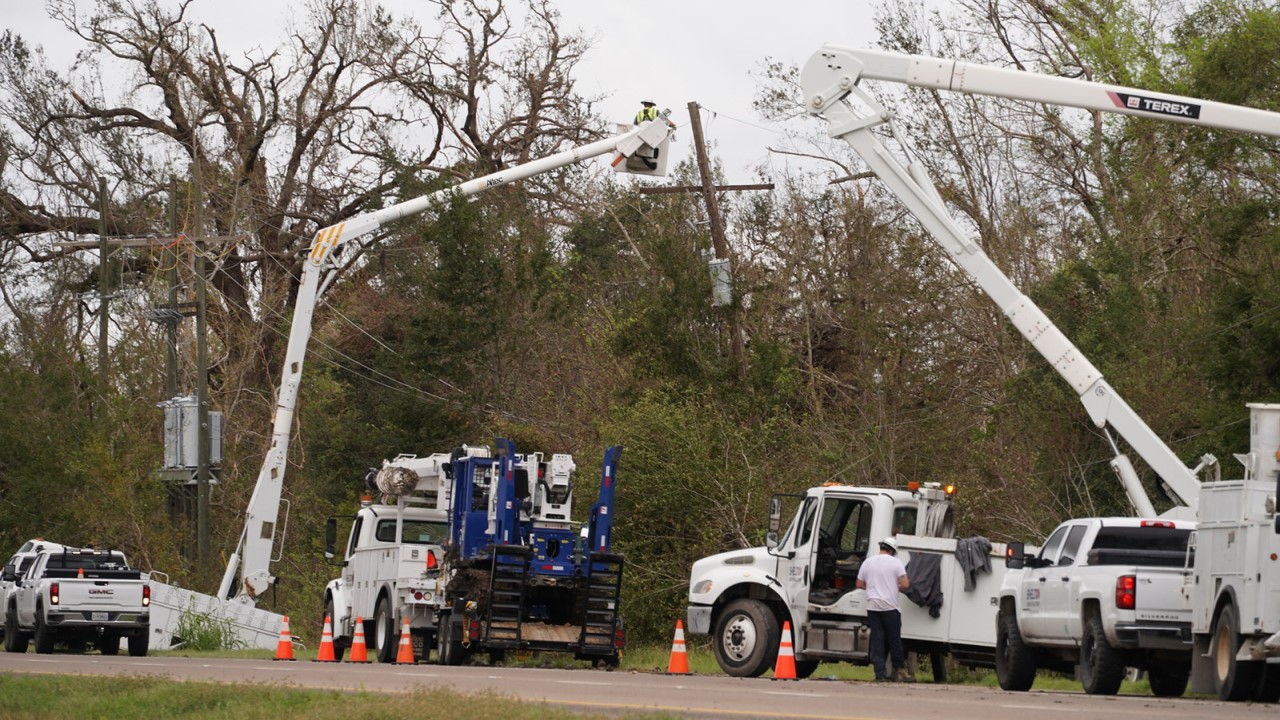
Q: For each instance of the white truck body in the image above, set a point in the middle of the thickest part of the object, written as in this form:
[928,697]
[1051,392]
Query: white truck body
[391,568]
[1103,594]
[79,596]
[1235,584]
[743,597]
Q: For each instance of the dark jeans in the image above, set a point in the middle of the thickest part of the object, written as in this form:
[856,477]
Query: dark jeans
[886,629]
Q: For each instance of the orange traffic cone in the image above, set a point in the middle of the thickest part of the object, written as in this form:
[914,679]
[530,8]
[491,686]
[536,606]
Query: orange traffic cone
[284,650]
[326,644]
[405,655]
[785,669]
[679,664]
[80,573]
[359,651]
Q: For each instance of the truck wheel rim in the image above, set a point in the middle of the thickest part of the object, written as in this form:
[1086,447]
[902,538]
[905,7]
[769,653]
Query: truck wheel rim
[739,639]
[1222,655]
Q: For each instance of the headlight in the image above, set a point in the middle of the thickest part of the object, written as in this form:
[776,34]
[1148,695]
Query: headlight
[702,587]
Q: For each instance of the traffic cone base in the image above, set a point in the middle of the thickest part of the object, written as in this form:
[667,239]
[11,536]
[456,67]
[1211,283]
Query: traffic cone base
[405,655]
[785,669]
[284,649]
[679,663]
[326,653]
[359,650]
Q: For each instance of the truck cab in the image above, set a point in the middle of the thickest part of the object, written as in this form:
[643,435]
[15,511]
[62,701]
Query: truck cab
[18,565]
[806,575]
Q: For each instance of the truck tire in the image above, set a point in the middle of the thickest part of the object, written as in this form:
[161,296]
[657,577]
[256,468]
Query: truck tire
[1234,680]
[805,669]
[1015,662]
[746,638]
[15,641]
[339,644]
[1268,688]
[1101,667]
[140,643]
[109,643]
[43,636]
[384,631]
[938,664]
[1168,680]
[449,649]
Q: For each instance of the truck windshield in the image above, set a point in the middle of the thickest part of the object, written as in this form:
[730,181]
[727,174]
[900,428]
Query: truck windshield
[1141,538]
[416,532]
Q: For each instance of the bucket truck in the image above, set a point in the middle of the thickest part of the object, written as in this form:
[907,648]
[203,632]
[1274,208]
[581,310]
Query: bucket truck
[1233,583]
[248,573]
[477,552]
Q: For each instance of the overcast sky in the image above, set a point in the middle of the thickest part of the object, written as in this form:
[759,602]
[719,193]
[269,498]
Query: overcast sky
[670,51]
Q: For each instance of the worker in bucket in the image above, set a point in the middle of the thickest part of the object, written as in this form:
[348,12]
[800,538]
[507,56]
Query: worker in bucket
[641,160]
[883,577]
[648,111]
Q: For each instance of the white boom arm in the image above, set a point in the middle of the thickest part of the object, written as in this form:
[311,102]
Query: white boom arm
[257,540]
[829,82]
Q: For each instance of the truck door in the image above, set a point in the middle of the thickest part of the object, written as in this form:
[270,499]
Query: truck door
[795,564]
[1035,615]
[1062,616]
[28,590]
[358,571]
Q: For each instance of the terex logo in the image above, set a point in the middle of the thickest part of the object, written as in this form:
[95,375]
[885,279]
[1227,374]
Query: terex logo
[1154,105]
[94,591]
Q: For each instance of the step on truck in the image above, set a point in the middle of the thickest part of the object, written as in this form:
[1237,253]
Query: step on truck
[79,597]
[1103,595]
[479,553]
[806,576]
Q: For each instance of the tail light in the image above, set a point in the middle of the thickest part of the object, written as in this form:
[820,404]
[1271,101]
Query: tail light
[146,596]
[1126,592]
[619,638]
[431,560]
[475,630]
[1157,524]
[53,593]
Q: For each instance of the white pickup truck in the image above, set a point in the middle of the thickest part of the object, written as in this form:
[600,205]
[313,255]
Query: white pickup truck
[79,597]
[1103,594]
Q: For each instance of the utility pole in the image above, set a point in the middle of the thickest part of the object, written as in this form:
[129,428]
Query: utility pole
[203,545]
[104,284]
[171,256]
[718,240]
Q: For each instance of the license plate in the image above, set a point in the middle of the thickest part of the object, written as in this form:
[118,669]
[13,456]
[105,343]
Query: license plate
[99,617]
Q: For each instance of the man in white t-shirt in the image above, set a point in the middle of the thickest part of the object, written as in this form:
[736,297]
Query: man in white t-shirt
[883,577]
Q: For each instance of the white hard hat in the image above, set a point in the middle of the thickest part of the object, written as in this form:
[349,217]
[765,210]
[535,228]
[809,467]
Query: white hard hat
[890,544]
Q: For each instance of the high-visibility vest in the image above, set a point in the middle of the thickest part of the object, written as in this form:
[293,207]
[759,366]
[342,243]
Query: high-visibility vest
[649,113]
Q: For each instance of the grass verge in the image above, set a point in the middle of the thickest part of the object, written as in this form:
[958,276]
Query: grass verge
[52,697]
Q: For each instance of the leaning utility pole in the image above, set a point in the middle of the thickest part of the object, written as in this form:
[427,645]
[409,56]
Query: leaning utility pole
[718,240]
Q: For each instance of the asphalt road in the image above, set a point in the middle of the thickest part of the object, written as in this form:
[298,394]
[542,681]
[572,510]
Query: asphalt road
[621,693]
